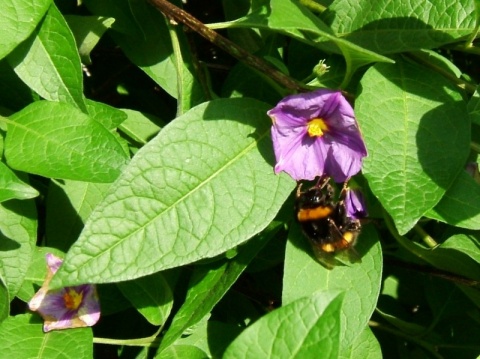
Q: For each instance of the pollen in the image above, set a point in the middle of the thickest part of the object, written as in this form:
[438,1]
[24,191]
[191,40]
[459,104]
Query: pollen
[72,299]
[316,127]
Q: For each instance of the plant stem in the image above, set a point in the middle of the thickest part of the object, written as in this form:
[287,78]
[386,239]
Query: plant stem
[173,12]
[140,342]
[313,6]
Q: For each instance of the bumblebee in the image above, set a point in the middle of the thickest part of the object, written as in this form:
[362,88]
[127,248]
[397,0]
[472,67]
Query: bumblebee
[324,221]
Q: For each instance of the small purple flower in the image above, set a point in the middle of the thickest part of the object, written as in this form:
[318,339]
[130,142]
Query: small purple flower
[69,307]
[355,204]
[316,134]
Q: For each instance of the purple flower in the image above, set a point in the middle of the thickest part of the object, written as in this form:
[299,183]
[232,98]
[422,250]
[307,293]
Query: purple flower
[69,307]
[316,134]
[355,204]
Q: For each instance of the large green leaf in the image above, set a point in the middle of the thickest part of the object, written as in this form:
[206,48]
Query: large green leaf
[48,62]
[18,234]
[204,185]
[302,329]
[23,339]
[303,275]
[388,26]
[58,140]
[18,19]
[417,133]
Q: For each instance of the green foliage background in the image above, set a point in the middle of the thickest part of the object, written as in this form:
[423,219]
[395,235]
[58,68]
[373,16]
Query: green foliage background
[141,153]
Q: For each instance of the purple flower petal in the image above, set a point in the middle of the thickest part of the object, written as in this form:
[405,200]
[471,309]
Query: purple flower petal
[53,262]
[336,151]
[355,204]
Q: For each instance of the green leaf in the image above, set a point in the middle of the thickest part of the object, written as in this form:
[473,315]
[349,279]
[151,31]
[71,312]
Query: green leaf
[301,329]
[4,300]
[290,17]
[57,140]
[404,325]
[69,203]
[204,185]
[87,31]
[22,339]
[182,351]
[459,206]
[407,113]
[48,62]
[208,285]
[366,346]
[151,296]
[110,117]
[398,26]
[13,187]
[189,90]
[140,127]
[18,234]
[18,19]
[303,275]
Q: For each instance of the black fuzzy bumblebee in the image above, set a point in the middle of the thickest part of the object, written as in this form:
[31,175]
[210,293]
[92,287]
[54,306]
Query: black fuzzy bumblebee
[324,221]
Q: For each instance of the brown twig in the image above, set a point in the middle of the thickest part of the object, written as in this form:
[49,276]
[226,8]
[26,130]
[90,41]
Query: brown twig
[173,12]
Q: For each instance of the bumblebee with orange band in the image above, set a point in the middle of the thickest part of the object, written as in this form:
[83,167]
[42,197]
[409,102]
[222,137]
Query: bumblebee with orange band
[323,220]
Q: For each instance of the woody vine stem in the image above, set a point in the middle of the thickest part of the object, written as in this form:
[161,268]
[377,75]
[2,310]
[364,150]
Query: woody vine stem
[180,16]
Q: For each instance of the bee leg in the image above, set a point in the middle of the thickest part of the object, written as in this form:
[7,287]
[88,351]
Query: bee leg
[299,190]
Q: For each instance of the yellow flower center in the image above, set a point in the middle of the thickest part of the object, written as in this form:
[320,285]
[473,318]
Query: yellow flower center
[72,299]
[316,127]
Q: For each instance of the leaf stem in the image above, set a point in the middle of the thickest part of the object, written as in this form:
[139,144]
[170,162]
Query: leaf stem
[429,241]
[425,345]
[475,146]
[469,43]
[177,54]
[181,16]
